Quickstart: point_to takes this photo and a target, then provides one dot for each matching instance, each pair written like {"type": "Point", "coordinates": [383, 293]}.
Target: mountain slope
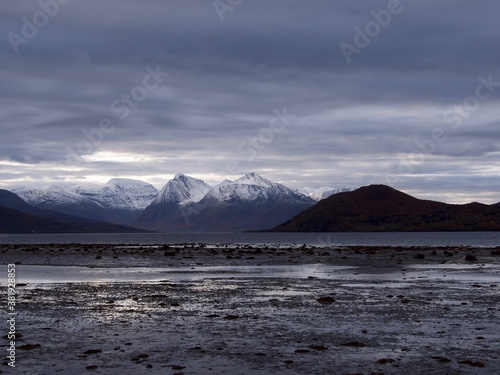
{"type": "Point", "coordinates": [321, 193]}
{"type": "Point", "coordinates": [17, 216]}
{"type": "Point", "coordinates": [119, 193]}
{"type": "Point", "coordinates": [382, 208]}
{"type": "Point", "coordinates": [248, 203]}
{"type": "Point", "coordinates": [120, 201]}
{"type": "Point", "coordinates": [167, 207]}
{"type": "Point", "coordinates": [182, 190]}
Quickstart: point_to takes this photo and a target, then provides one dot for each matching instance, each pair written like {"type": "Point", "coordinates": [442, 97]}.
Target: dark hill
{"type": "Point", "coordinates": [380, 208]}
{"type": "Point", "coordinates": [11, 200]}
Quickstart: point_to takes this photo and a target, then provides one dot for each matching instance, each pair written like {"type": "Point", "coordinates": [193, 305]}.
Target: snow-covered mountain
{"type": "Point", "coordinates": [182, 190]}
{"type": "Point", "coordinates": [252, 187]}
{"type": "Point", "coordinates": [49, 196]}
{"type": "Point", "coordinates": [321, 193]}
{"type": "Point", "coordinates": [119, 193]}
{"type": "Point", "coordinates": [60, 200]}
{"type": "Point", "coordinates": [177, 193]}
{"type": "Point", "coordinates": [120, 201]}
{"type": "Point", "coordinates": [248, 203]}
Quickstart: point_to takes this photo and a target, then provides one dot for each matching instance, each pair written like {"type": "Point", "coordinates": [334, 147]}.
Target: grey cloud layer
{"type": "Point", "coordinates": [355, 123]}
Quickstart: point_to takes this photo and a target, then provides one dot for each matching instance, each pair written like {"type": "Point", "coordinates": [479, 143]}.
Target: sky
{"type": "Point", "coordinates": [306, 93]}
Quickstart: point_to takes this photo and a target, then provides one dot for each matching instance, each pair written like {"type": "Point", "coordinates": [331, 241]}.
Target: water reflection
{"type": "Point", "coordinates": [36, 274]}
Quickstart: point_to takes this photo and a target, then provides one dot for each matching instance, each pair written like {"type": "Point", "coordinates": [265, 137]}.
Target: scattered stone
{"type": "Point", "coordinates": [470, 258]}
{"type": "Point", "coordinates": [177, 367]}
{"type": "Point", "coordinates": [385, 361]}
{"type": "Point", "coordinates": [93, 351]}
{"type": "Point", "coordinates": [29, 347]}
{"type": "Point", "coordinates": [231, 317]}
{"type": "Point", "coordinates": [289, 362]}
{"type": "Point", "coordinates": [472, 363]}
{"type": "Point", "coordinates": [91, 367]}
{"type": "Point", "coordinates": [326, 300]}
{"type": "Point", "coordinates": [419, 256]}
{"type": "Point", "coordinates": [260, 354]}
{"type": "Point", "coordinates": [442, 359]}
{"type": "Point", "coordinates": [139, 357]}
{"type": "Point", "coordinates": [301, 351]}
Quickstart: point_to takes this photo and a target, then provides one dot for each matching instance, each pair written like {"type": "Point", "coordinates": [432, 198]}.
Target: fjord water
{"type": "Point", "coordinates": [486, 239]}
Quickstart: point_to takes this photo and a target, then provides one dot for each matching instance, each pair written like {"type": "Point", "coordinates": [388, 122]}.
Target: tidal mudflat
{"type": "Point", "coordinates": [254, 309]}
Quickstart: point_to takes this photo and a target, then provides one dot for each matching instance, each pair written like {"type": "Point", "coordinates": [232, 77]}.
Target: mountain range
{"type": "Point", "coordinates": [382, 208]}
{"type": "Point", "coordinates": [183, 204]}
{"type": "Point", "coordinates": [249, 203]}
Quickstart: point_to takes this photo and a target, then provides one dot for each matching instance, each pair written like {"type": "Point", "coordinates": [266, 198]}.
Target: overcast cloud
{"type": "Point", "coordinates": [267, 89]}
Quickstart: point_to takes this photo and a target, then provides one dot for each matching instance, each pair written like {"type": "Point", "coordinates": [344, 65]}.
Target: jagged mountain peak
{"type": "Point", "coordinates": [182, 189]}
{"type": "Point", "coordinates": [254, 179]}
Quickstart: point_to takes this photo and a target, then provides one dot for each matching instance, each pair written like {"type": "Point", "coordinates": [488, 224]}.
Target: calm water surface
{"type": "Point", "coordinates": [322, 239]}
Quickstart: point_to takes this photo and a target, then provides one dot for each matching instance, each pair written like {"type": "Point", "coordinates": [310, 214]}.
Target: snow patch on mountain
{"type": "Point", "coordinates": [321, 193]}
{"type": "Point", "coordinates": [49, 195]}
{"type": "Point", "coordinates": [119, 193]}
{"type": "Point", "coordinates": [254, 179]}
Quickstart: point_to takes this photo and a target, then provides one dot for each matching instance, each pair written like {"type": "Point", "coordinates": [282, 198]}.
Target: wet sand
{"type": "Point", "coordinates": [228, 309]}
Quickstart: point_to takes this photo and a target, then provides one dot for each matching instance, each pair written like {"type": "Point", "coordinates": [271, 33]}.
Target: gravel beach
{"type": "Point", "coordinates": [250, 309]}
